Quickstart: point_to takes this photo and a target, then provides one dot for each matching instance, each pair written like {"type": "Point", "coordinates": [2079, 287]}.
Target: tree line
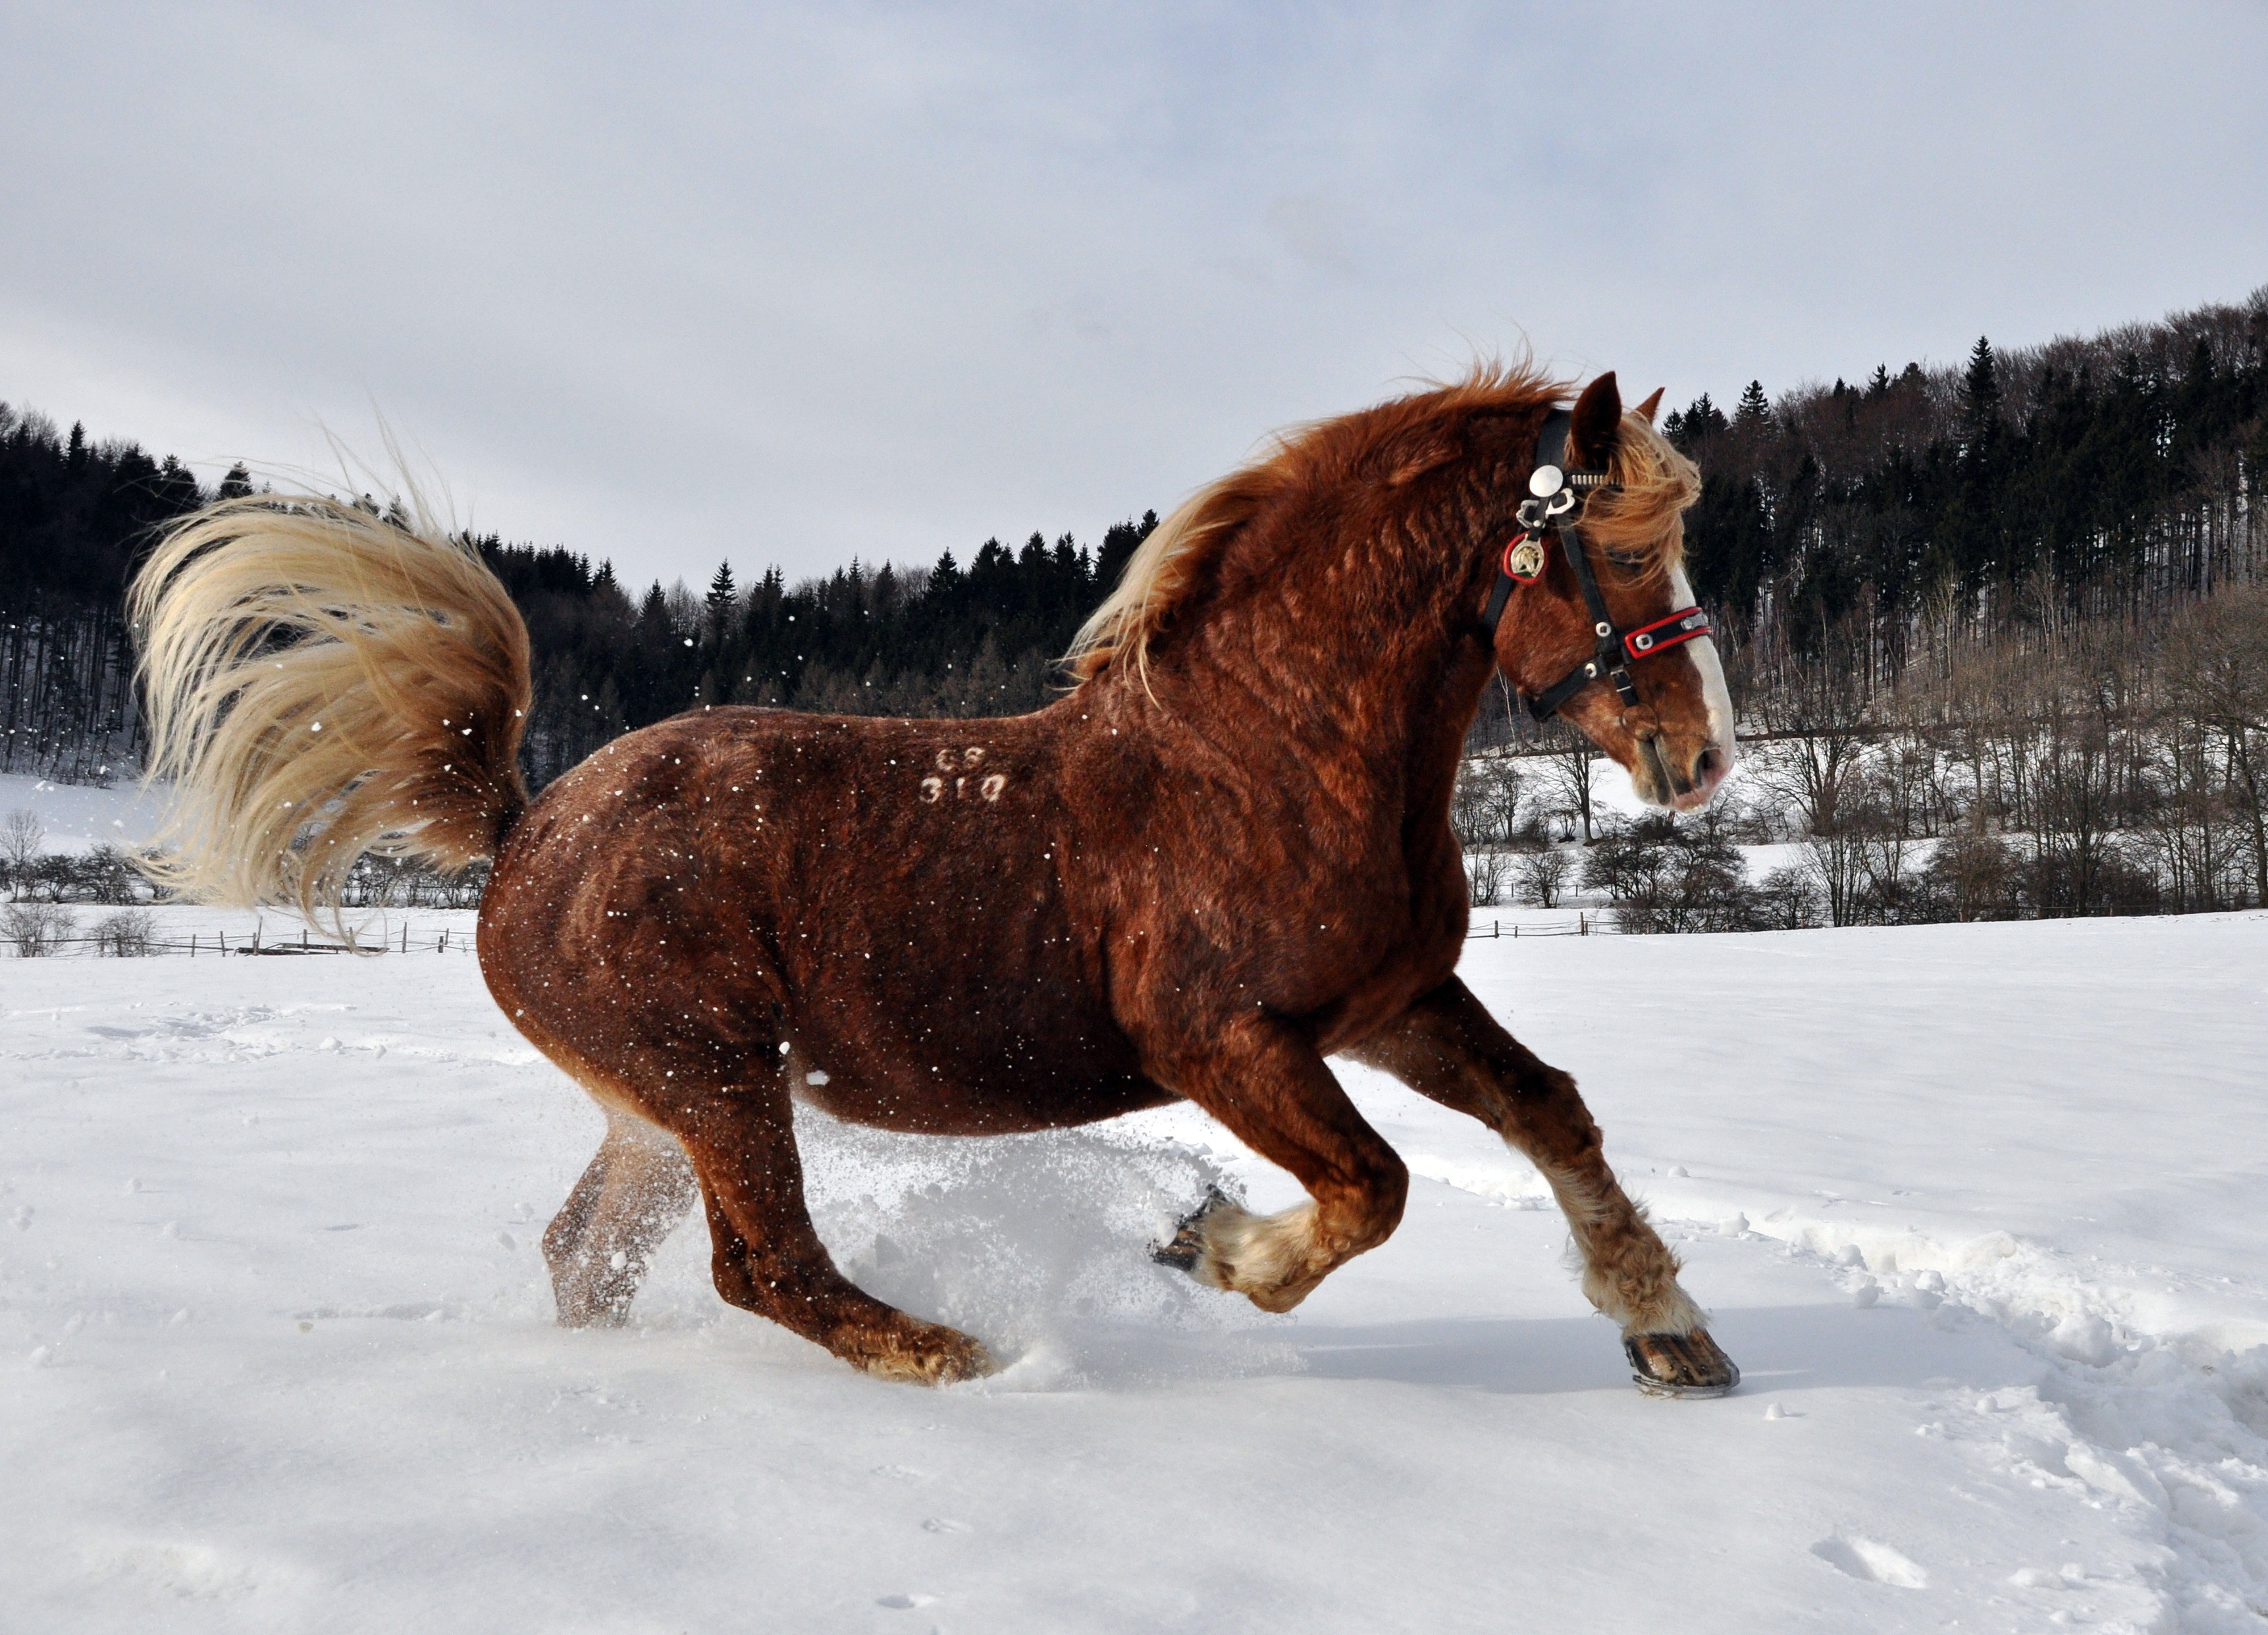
{"type": "Point", "coordinates": [76, 515]}
{"type": "Point", "coordinates": [1995, 629]}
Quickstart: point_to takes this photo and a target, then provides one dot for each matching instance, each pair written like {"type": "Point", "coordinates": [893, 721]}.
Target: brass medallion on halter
{"type": "Point", "coordinates": [1523, 559]}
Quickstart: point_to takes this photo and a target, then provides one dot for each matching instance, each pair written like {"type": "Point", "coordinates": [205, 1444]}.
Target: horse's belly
{"type": "Point", "coordinates": [1028, 1102]}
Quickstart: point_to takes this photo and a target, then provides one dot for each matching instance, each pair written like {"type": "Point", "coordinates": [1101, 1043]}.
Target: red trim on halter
{"type": "Point", "coordinates": [1682, 626]}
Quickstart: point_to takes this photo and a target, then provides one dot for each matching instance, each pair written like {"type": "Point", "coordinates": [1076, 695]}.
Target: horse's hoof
{"type": "Point", "coordinates": [1188, 1244]}
{"type": "Point", "coordinates": [941, 1356]}
{"type": "Point", "coordinates": [1680, 1365]}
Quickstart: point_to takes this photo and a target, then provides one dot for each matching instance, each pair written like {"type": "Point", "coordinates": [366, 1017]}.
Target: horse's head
{"type": "Point", "coordinates": [1644, 688]}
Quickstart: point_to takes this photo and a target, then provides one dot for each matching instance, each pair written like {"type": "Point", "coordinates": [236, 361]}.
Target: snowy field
{"type": "Point", "coordinates": [1978, 1210]}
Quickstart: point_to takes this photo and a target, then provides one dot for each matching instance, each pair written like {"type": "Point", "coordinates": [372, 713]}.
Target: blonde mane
{"type": "Point", "coordinates": [1638, 520]}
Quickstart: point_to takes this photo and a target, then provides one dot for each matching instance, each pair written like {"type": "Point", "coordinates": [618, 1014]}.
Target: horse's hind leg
{"type": "Point", "coordinates": [1448, 1047]}
{"type": "Point", "coordinates": [636, 1189]}
{"type": "Point", "coordinates": [767, 1259]}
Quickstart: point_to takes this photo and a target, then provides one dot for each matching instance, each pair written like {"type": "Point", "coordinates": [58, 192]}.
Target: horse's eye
{"type": "Point", "coordinates": [1630, 562]}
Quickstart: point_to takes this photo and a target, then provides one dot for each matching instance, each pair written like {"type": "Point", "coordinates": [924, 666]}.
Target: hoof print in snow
{"type": "Point", "coordinates": [1680, 1365]}
{"type": "Point", "coordinates": [1187, 1246]}
{"type": "Point", "coordinates": [1878, 1563]}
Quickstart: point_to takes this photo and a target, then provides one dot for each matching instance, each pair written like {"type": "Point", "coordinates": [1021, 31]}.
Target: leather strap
{"type": "Point", "coordinates": [1550, 450]}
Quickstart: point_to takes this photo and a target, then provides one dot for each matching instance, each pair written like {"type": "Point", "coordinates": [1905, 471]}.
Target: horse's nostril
{"type": "Point", "coordinates": [1704, 763]}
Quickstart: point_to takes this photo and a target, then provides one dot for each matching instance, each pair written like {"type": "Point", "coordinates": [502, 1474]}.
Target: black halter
{"type": "Point", "coordinates": [1558, 503]}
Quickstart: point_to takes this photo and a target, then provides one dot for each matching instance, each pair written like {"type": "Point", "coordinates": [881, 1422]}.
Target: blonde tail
{"type": "Point", "coordinates": [320, 682]}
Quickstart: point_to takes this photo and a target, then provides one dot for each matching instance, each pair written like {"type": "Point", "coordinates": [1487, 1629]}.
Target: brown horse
{"type": "Point", "coordinates": [1220, 859]}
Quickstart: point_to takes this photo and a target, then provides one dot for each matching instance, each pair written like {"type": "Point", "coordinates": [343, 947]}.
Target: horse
{"type": "Point", "coordinates": [1221, 857]}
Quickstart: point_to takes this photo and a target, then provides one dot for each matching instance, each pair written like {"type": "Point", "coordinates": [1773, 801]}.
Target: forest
{"type": "Point", "coordinates": [1997, 631]}
{"type": "Point", "coordinates": [945, 639]}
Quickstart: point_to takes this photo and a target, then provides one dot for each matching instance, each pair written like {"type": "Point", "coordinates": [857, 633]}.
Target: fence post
{"type": "Point", "coordinates": [1582, 927]}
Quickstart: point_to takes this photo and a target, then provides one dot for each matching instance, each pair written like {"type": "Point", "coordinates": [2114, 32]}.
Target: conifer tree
{"type": "Point", "coordinates": [1980, 395]}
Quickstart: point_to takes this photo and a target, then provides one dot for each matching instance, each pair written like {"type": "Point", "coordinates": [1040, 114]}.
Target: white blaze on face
{"type": "Point", "coordinates": [1703, 652]}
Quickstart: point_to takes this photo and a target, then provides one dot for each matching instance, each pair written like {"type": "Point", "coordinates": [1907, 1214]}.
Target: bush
{"type": "Point", "coordinates": [35, 928]}
{"type": "Point", "coordinates": [2108, 880]}
{"type": "Point", "coordinates": [1662, 878]}
{"type": "Point", "coordinates": [1790, 900]}
{"type": "Point", "coordinates": [126, 934]}
{"type": "Point", "coordinates": [1973, 876]}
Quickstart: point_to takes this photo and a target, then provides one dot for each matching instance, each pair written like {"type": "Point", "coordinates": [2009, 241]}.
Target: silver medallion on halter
{"type": "Point", "coordinates": [1523, 559]}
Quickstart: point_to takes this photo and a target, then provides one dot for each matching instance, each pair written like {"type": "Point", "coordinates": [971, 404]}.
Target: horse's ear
{"type": "Point", "coordinates": [1597, 425]}
{"type": "Point", "coordinates": [1652, 406]}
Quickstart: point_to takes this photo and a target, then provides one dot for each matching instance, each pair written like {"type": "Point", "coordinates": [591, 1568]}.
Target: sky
{"type": "Point", "coordinates": [793, 285]}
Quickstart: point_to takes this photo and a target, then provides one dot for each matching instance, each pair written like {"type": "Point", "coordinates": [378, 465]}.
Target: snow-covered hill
{"type": "Point", "coordinates": [1979, 1210]}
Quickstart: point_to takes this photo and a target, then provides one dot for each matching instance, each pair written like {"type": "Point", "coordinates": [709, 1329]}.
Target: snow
{"type": "Point", "coordinates": [1977, 1209]}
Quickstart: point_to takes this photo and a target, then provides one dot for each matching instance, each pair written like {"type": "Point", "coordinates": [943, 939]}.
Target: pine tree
{"type": "Point", "coordinates": [1754, 409]}
{"type": "Point", "coordinates": [237, 484]}
{"type": "Point", "coordinates": [1702, 419]}
{"type": "Point", "coordinates": [1980, 395]}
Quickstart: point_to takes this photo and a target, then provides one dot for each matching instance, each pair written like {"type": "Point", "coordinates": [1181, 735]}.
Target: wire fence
{"type": "Point", "coordinates": [129, 942]}
{"type": "Point", "coordinates": [1585, 924]}
{"type": "Point", "coordinates": [138, 942]}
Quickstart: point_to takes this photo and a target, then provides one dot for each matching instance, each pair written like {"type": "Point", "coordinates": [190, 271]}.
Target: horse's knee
{"type": "Point", "coordinates": [1363, 1215]}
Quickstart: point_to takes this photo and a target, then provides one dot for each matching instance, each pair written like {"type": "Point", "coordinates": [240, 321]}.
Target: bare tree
{"type": "Point", "coordinates": [21, 840]}
{"type": "Point", "coordinates": [1542, 875]}
{"type": "Point", "coordinates": [2217, 675]}
{"type": "Point", "coordinates": [1569, 764]}
{"type": "Point", "coordinates": [1484, 872]}
{"type": "Point", "coordinates": [1485, 807]}
{"type": "Point", "coordinates": [1819, 720]}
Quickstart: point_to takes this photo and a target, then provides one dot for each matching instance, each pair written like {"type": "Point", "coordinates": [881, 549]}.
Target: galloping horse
{"type": "Point", "coordinates": [1221, 858]}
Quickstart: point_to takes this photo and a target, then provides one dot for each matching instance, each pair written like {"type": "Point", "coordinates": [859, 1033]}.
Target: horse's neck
{"type": "Point", "coordinates": [1373, 696]}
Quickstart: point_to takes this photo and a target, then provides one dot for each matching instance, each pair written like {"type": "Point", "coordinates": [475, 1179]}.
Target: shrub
{"type": "Point", "coordinates": [126, 934]}
{"type": "Point", "coordinates": [1662, 878]}
{"type": "Point", "coordinates": [1789, 900]}
{"type": "Point", "coordinates": [35, 928]}
{"type": "Point", "coordinates": [1973, 876]}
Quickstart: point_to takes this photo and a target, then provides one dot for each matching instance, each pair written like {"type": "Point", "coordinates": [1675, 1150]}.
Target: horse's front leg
{"type": "Point", "coordinates": [1448, 1047]}
{"type": "Point", "coordinates": [1276, 1096]}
